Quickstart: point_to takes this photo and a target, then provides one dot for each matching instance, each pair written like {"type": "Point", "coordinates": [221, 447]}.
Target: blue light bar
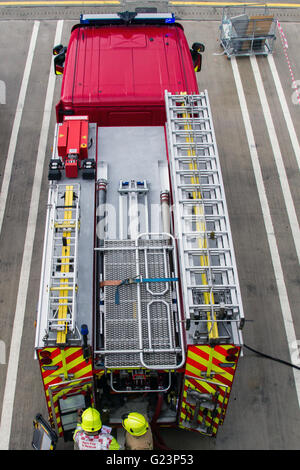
{"type": "Point", "coordinates": [131, 18]}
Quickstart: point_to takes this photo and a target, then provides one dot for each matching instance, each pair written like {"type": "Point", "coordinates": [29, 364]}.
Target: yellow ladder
{"type": "Point", "coordinates": [63, 287]}
{"type": "Point", "coordinates": [65, 267]}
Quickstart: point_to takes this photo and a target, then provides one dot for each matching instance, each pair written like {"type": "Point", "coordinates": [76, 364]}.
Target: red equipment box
{"type": "Point", "coordinates": [71, 167]}
{"type": "Point", "coordinates": [62, 140]}
{"type": "Point", "coordinates": [73, 137]}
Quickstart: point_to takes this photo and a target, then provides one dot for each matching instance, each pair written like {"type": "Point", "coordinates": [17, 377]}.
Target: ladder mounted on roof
{"type": "Point", "coordinates": [62, 290]}
{"type": "Point", "coordinates": [210, 285]}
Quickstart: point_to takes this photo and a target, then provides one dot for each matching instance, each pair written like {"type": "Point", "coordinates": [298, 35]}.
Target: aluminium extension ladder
{"type": "Point", "coordinates": [211, 292]}
{"type": "Point", "coordinates": [62, 290]}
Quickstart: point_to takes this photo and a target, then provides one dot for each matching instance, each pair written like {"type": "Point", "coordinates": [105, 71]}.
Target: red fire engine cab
{"type": "Point", "coordinates": [139, 306]}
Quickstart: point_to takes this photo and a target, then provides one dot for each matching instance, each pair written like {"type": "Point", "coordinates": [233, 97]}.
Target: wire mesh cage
{"type": "Point", "coordinates": [246, 34]}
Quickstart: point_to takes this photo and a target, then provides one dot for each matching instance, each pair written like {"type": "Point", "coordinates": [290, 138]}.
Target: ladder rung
{"type": "Point", "coordinates": [216, 306]}
{"type": "Point", "coordinates": [211, 251]}
{"type": "Point", "coordinates": [184, 108]}
{"type": "Point", "coordinates": [65, 226]}
{"type": "Point", "coordinates": [203, 232]}
{"type": "Point", "coordinates": [186, 172]}
{"type": "Point", "coordinates": [208, 217]}
{"type": "Point", "coordinates": [203, 201]}
{"type": "Point", "coordinates": [62, 288]}
{"type": "Point", "coordinates": [183, 120]}
{"type": "Point", "coordinates": [211, 287]}
{"type": "Point", "coordinates": [199, 186]}
{"type": "Point", "coordinates": [200, 145]}
{"type": "Point", "coordinates": [213, 269]}
{"type": "Point", "coordinates": [59, 327]}
{"type": "Point", "coordinates": [60, 237]}
{"type": "Point", "coordinates": [69, 275]}
{"type": "Point", "coordinates": [193, 131]}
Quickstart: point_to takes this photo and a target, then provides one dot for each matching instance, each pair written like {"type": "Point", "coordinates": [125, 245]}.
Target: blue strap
{"type": "Point", "coordinates": [129, 281]}
{"type": "Point", "coordinates": [158, 279]}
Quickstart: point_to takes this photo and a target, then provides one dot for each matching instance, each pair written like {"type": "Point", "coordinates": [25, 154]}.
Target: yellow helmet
{"type": "Point", "coordinates": [135, 423]}
{"type": "Point", "coordinates": [90, 420]}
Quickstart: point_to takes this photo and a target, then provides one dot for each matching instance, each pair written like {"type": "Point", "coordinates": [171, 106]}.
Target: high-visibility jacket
{"type": "Point", "coordinates": [101, 441]}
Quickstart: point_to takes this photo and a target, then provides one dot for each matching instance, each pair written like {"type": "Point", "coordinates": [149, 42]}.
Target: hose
{"type": "Point", "coordinates": [157, 439]}
{"type": "Point", "coordinates": [281, 361]}
{"type": "Point", "coordinates": [157, 409]}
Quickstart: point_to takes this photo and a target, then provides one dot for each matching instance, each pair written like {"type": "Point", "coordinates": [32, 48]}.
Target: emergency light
{"type": "Point", "coordinates": [127, 17]}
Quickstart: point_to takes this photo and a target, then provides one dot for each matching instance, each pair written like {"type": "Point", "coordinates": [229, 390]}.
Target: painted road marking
{"type": "Point", "coordinates": [285, 109]}
{"type": "Point", "coordinates": [16, 124]}
{"type": "Point", "coordinates": [13, 362]}
{"type": "Point", "coordinates": [279, 277]}
{"type": "Point", "coordinates": [175, 3]}
{"type": "Point", "coordinates": [289, 203]}
{"type": "Point", "coordinates": [241, 4]}
{"type": "Point", "coordinates": [285, 46]}
{"type": "Point", "coordinates": [62, 3]}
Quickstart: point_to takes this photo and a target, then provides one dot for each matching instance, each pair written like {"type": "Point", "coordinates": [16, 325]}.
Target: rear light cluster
{"type": "Point", "coordinates": [45, 357]}
{"type": "Point", "coordinates": [232, 354]}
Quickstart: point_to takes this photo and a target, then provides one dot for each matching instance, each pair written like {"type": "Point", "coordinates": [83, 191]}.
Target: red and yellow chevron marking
{"type": "Point", "coordinates": [61, 366]}
{"type": "Point", "coordinates": [57, 414]}
{"type": "Point", "coordinates": [209, 370]}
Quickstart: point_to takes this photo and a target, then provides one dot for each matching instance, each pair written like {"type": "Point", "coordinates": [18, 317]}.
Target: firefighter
{"type": "Point", "coordinates": [91, 435]}
{"type": "Point", "coordinates": [138, 434]}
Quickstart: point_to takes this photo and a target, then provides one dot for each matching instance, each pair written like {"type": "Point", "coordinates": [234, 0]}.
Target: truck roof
{"type": "Point", "coordinates": [125, 65]}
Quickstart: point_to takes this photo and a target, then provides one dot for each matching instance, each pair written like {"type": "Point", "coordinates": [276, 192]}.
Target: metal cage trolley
{"type": "Point", "coordinates": [246, 34]}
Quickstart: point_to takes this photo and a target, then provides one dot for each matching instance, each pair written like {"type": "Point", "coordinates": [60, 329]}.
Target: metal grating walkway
{"type": "Point", "coordinates": [139, 322]}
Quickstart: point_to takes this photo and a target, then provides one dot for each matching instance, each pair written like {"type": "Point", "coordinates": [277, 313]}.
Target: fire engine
{"type": "Point", "coordinates": [139, 305]}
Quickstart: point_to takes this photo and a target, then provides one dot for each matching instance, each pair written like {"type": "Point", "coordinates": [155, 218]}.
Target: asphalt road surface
{"type": "Point", "coordinates": [256, 115]}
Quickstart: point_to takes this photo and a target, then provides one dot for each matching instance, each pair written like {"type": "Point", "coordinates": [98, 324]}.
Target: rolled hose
{"type": "Point", "coordinates": [158, 442]}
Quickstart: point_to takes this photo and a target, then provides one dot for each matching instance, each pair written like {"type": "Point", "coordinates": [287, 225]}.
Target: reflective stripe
{"type": "Point", "coordinates": [67, 363]}
{"type": "Point", "coordinates": [73, 363]}
{"type": "Point", "coordinates": [207, 372]}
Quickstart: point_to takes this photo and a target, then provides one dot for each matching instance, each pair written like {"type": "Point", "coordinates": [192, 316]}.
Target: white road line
{"type": "Point", "coordinates": [289, 203]}
{"type": "Point", "coordinates": [279, 277]}
{"type": "Point", "coordinates": [16, 124]}
{"type": "Point", "coordinates": [285, 109]}
{"type": "Point", "coordinates": [12, 368]}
